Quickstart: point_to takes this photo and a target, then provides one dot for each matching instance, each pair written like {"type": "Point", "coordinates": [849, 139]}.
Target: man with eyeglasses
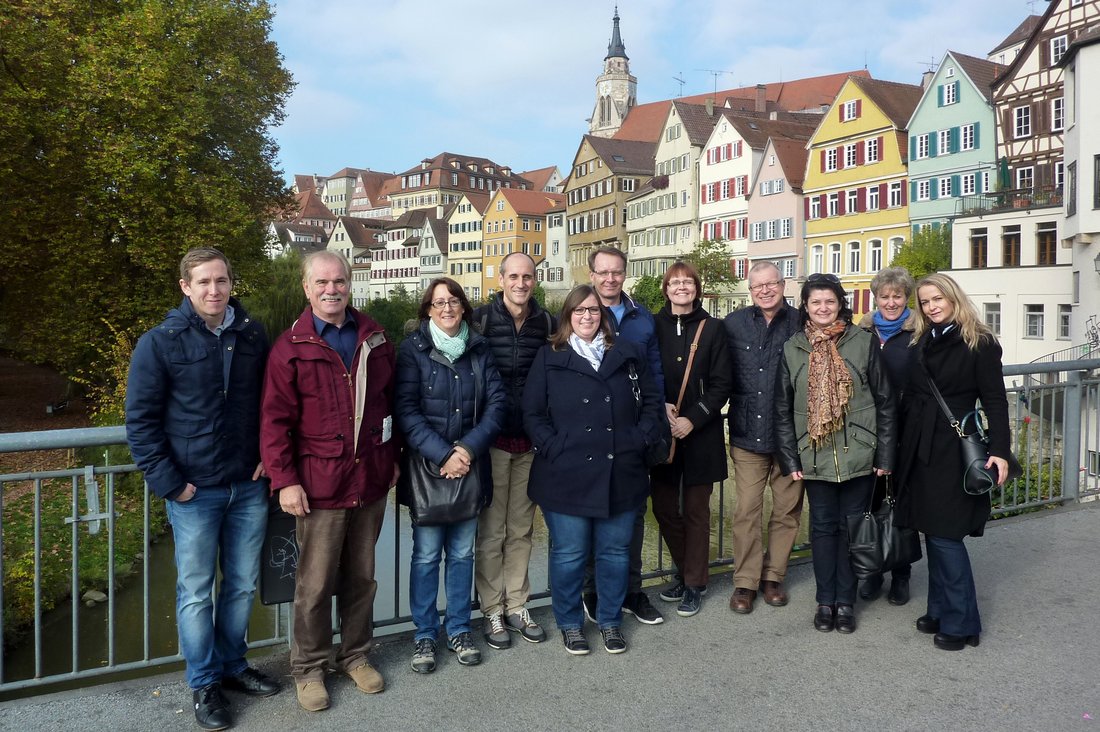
{"type": "Point", "coordinates": [633, 322]}
{"type": "Point", "coordinates": [516, 328]}
{"type": "Point", "coordinates": [326, 441]}
{"type": "Point", "coordinates": [756, 336]}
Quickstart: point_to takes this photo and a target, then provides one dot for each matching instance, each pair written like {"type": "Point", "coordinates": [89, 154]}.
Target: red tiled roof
{"type": "Point", "coordinates": [535, 203]}
{"type": "Point", "coordinates": [361, 231]}
{"type": "Point", "coordinates": [307, 205]}
{"type": "Point", "coordinates": [479, 201]}
{"type": "Point", "coordinates": [540, 177]}
{"type": "Point", "coordinates": [756, 130]}
{"type": "Point", "coordinates": [792, 156]}
{"type": "Point", "coordinates": [645, 121]}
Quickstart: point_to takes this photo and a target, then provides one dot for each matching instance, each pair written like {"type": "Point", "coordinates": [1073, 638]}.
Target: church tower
{"type": "Point", "coordinates": [616, 89]}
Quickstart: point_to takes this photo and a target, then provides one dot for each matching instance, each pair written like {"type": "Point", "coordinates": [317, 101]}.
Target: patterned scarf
{"type": "Point", "coordinates": [591, 352]}
{"type": "Point", "coordinates": [830, 382]}
{"type": "Point", "coordinates": [450, 346]}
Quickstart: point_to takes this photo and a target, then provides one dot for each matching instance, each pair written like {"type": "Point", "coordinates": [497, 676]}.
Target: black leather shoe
{"type": "Point", "coordinates": [946, 642]}
{"type": "Point", "coordinates": [824, 619]}
{"type": "Point", "coordinates": [845, 619]}
{"type": "Point", "coordinates": [871, 587]}
{"type": "Point", "coordinates": [928, 624]}
{"type": "Point", "coordinates": [211, 711]}
{"type": "Point", "coordinates": [252, 682]}
{"type": "Point", "coordinates": [899, 591]}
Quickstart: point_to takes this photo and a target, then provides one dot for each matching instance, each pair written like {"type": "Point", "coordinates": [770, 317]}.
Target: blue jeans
{"type": "Point", "coordinates": [952, 598]}
{"type": "Point", "coordinates": [428, 545]}
{"type": "Point", "coordinates": [572, 538]}
{"type": "Point", "coordinates": [221, 526]}
{"type": "Point", "coordinates": [830, 504]}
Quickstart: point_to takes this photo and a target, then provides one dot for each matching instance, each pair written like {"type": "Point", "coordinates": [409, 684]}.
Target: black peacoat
{"type": "Point", "coordinates": [930, 473]}
{"type": "Point", "coordinates": [589, 447]}
{"type": "Point", "coordinates": [701, 456]}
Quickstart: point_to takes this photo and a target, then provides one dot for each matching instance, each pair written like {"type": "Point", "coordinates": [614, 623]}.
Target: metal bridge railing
{"type": "Point", "coordinates": [1055, 434]}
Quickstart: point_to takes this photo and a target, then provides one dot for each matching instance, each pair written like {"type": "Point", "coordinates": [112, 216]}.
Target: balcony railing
{"type": "Point", "coordinates": [1008, 200]}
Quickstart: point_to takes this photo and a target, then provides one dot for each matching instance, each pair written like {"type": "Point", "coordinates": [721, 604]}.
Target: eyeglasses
{"type": "Point", "coordinates": [823, 277]}
{"type": "Point", "coordinates": [454, 303]}
{"type": "Point", "coordinates": [591, 310]}
{"type": "Point", "coordinates": [610, 273]}
{"type": "Point", "coordinates": [769, 285]}
{"type": "Point", "coordinates": [681, 283]}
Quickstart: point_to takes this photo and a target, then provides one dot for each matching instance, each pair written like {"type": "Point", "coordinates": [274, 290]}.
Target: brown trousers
{"type": "Point", "coordinates": [504, 530]}
{"type": "Point", "coordinates": [686, 532]}
{"type": "Point", "coordinates": [752, 472]}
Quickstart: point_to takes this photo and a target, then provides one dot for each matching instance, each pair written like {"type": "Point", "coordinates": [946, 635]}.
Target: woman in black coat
{"type": "Point", "coordinates": [681, 490]}
{"type": "Point", "coordinates": [591, 409]}
{"type": "Point", "coordinates": [955, 349]}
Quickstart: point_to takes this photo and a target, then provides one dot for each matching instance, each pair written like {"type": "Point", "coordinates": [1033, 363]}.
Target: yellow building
{"type": "Point", "coordinates": [515, 221]}
{"type": "Point", "coordinates": [856, 185]}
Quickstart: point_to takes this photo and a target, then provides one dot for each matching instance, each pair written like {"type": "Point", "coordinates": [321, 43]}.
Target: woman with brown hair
{"type": "Point", "coordinates": [835, 428]}
{"type": "Point", "coordinates": [696, 363]}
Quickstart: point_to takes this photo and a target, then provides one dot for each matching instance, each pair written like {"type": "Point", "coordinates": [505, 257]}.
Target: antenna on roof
{"type": "Point", "coordinates": [715, 73]}
{"type": "Point", "coordinates": [679, 79]}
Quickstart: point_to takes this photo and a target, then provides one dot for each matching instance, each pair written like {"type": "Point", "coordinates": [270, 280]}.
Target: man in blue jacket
{"type": "Point", "coordinates": [633, 322]}
{"type": "Point", "coordinates": [192, 423]}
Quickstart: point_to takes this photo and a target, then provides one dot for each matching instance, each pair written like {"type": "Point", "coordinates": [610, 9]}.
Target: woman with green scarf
{"type": "Point", "coordinates": [835, 426]}
{"type": "Point", "coordinates": [449, 405]}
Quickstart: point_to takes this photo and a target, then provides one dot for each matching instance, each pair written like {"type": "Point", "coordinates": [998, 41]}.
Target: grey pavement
{"type": "Point", "coordinates": [1036, 668]}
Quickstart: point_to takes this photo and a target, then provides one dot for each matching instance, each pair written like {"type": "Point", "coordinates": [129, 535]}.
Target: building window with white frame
{"type": "Point", "coordinates": [895, 246]}
{"type": "Point", "coordinates": [854, 259]}
{"type": "Point", "coordinates": [874, 248]}
{"type": "Point", "coordinates": [872, 198]}
{"type": "Point", "coordinates": [817, 258]}
{"type": "Point", "coordinates": [966, 184]}
{"type": "Point", "coordinates": [966, 135]}
{"type": "Point", "coordinates": [871, 151]}
{"type": "Point", "coordinates": [1059, 176]}
{"type": "Point", "coordinates": [943, 144]}
{"type": "Point", "coordinates": [833, 203]}
{"type": "Point", "coordinates": [894, 193]}
{"type": "Point", "coordinates": [945, 187]}
{"type": "Point", "coordinates": [850, 156]}
{"type": "Point", "coordinates": [788, 268]}
{"type": "Point", "coordinates": [950, 93]}
{"type": "Point", "coordinates": [785, 228]}
{"type": "Point", "coordinates": [830, 159]}
{"type": "Point", "coordinates": [992, 313]}
{"type": "Point", "coordinates": [922, 146]}
{"type": "Point", "coordinates": [851, 204]}
{"type": "Point", "coordinates": [1025, 178]}
{"type": "Point", "coordinates": [1033, 321]}
{"type": "Point", "coordinates": [1058, 114]}
{"type": "Point", "coordinates": [834, 257]}
{"type": "Point", "coordinates": [1064, 312]}
{"type": "Point", "coordinates": [850, 110]}
{"type": "Point", "coordinates": [1058, 46]}
{"type": "Point", "coordinates": [1021, 122]}
{"type": "Point", "coordinates": [924, 190]}
{"type": "Point", "coordinates": [815, 208]}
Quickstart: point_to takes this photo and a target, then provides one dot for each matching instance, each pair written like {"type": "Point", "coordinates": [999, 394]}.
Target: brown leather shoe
{"type": "Point", "coordinates": [774, 594]}
{"type": "Point", "coordinates": [741, 600]}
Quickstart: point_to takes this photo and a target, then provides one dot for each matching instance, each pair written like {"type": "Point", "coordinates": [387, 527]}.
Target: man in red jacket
{"type": "Point", "coordinates": [327, 442]}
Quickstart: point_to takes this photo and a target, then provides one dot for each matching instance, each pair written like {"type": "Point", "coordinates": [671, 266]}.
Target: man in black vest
{"type": "Point", "coordinates": [516, 328]}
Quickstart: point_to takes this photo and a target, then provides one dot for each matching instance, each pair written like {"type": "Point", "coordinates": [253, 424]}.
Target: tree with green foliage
{"type": "Point", "coordinates": [711, 258]}
{"type": "Point", "coordinates": [130, 132]}
{"type": "Point", "coordinates": [394, 312]}
{"type": "Point", "coordinates": [277, 297]}
{"type": "Point", "coordinates": [927, 252]}
{"type": "Point", "coordinates": [647, 291]}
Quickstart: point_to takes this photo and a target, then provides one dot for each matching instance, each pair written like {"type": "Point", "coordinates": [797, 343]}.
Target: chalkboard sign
{"type": "Point", "coordinates": [279, 558]}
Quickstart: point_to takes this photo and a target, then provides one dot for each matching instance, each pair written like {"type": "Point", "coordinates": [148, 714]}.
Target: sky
{"type": "Point", "coordinates": [383, 84]}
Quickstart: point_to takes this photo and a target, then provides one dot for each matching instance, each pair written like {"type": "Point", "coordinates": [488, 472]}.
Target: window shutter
{"type": "Point", "coordinates": [822, 161]}
{"type": "Point", "coordinates": [881, 149]}
{"type": "Point", "coordinates": [738, 148]}
{"type": "Point", "coordinates": [745, 184]}
{"type": "Point", "coordinates": [933, 189]}
{"type": "Point", "coordinates": [916, 229]}
{"type": "Point", "coordinates": [954, 139]}
{"type": "Point", "coordinates": [939, 95]}
{"type": "Point", "coordinates": [976, 138]}
{"type": "Point", "coordinates": [1006, 125]}
{"type": "Point", "coordinates": [806, 207]}
{"type": "Point", "coordinates": [955, 184]}
{"type": "Point", "coordinates": [840, 203]}
{"type": "Point", "coordinates": [935, 226]}
{"type": "Point", "coordinates": [978, 181]}
{"type": "Point", "coordinates": [859, 152]}
{"type": "Point", "coordinates": [912, 147]}
{"type": "Point", "coordinates": [729, 149]}
{"type": "Point", "coordinates": [824, 202]}
{"type": "Point", "coordinates": [859, 108]}
{"type": "Point", "coordinates": [913, 189]}
{"type": "Point", "coordinates": [703, 193]}
{"type": "Point", "coordinates": [933, 144]}
{"type": "Point", "coordinates": [861, 200]}
{"type": "Point", "coordinates": [840, 112]}
{"type": "Point", "coordinates": [903, 201]}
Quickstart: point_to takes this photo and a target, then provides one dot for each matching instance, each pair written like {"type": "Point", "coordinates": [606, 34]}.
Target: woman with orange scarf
{"type": "Point", "coordinates": [835, 428]}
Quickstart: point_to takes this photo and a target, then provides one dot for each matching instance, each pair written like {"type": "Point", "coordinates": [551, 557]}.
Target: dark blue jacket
{"type": "Point", "coordinates": [193, 401]}
{"type": "Point", "coordinates": [513, 352]}
{"type": "Point", "coordinates": [438, 405]}
{"type": "Point", "coordinates": [637, 326]}
{"type": "Point", "coordinates": [589, 447]}
{"type": "Point", "coordinates": [756, 347]}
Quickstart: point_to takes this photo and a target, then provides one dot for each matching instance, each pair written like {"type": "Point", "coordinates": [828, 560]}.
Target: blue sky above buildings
{"type": "Point", "coordinates": [383, 84]}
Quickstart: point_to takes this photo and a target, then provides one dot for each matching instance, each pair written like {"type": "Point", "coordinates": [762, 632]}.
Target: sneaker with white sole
{"type": "Point", "coordinates": [575, 642]}
{"type": "Point", "coordinates": [423, 661]}
{"type": "Point", "coordinates": [496, 634]}
{"type": "Point", "coordinates": [690, 603]}
{"type": "Point", "coordinates": [675, 592]}
{"type": "Point", "coordinates": [527, 628]}
{"type": "Point", "coordinates": [638, 605]}
{"type": "Point", "coordinates": [463, 647]}
{"type": "Point", "coordinates": [613, 641]}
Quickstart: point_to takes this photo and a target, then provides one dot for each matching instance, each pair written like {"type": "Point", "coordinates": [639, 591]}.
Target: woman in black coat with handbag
{"type": "Point", "coordinates": [687, 334]}
{"type": "Point", "coordinates": [593, 411]}
{"type": "Point", "coordinates": [953, 348]}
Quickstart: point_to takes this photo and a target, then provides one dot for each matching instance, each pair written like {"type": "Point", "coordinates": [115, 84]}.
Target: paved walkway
{"type": "Point", "coordinates": [1038, 666]}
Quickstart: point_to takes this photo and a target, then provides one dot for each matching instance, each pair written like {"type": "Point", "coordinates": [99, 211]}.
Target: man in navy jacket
{"type": "Point", "coordinates": [192, 423]}
{"type": "Point", "coordinates": [633, 322]}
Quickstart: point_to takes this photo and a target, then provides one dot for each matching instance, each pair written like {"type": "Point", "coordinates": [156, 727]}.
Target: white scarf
{"type": "Point", "coordinates": [591, 352]}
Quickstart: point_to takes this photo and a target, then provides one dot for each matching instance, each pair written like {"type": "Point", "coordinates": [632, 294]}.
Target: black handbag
{"type": "Point", "coordinates": [875, 544]}
{"type": "Point", "coordinates": [974, 446]}
{"type": "Point", "coordinates": [658, 451]}
{"type": "Point", "coordinates": [434, 500]}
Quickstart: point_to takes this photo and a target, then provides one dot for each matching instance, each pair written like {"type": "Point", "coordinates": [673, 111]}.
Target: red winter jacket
{"type": "Point", "coordinates": [309, 417]}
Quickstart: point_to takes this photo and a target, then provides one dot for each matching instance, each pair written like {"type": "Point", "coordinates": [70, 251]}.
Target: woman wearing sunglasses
{"type": "Point", "coordinates": [836, 430]}
{"type": "Point", "coordinates": [591, 408]}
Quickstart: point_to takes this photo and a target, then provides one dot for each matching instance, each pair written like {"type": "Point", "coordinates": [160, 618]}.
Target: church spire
{"type": "Point", "coordinates": [616, 49]}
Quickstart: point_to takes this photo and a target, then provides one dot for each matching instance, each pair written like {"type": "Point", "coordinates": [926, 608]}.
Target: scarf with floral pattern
{"type": "Point", "coordinates": [830, 382]}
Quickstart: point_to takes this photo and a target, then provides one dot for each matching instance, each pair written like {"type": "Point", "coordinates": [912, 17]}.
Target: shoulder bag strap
{"type": "Point", "coordinates": [943, 405]}
{"type": "Point", "coordinates": [691, 360]}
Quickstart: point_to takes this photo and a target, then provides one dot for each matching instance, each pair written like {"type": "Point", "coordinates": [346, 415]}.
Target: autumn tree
{"type": "Point", "coordinates": [711, 258]}
{"type": "Point", "coordinates": [130, 131]}
{"type": "Point", "coordinates": [928, 251]}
